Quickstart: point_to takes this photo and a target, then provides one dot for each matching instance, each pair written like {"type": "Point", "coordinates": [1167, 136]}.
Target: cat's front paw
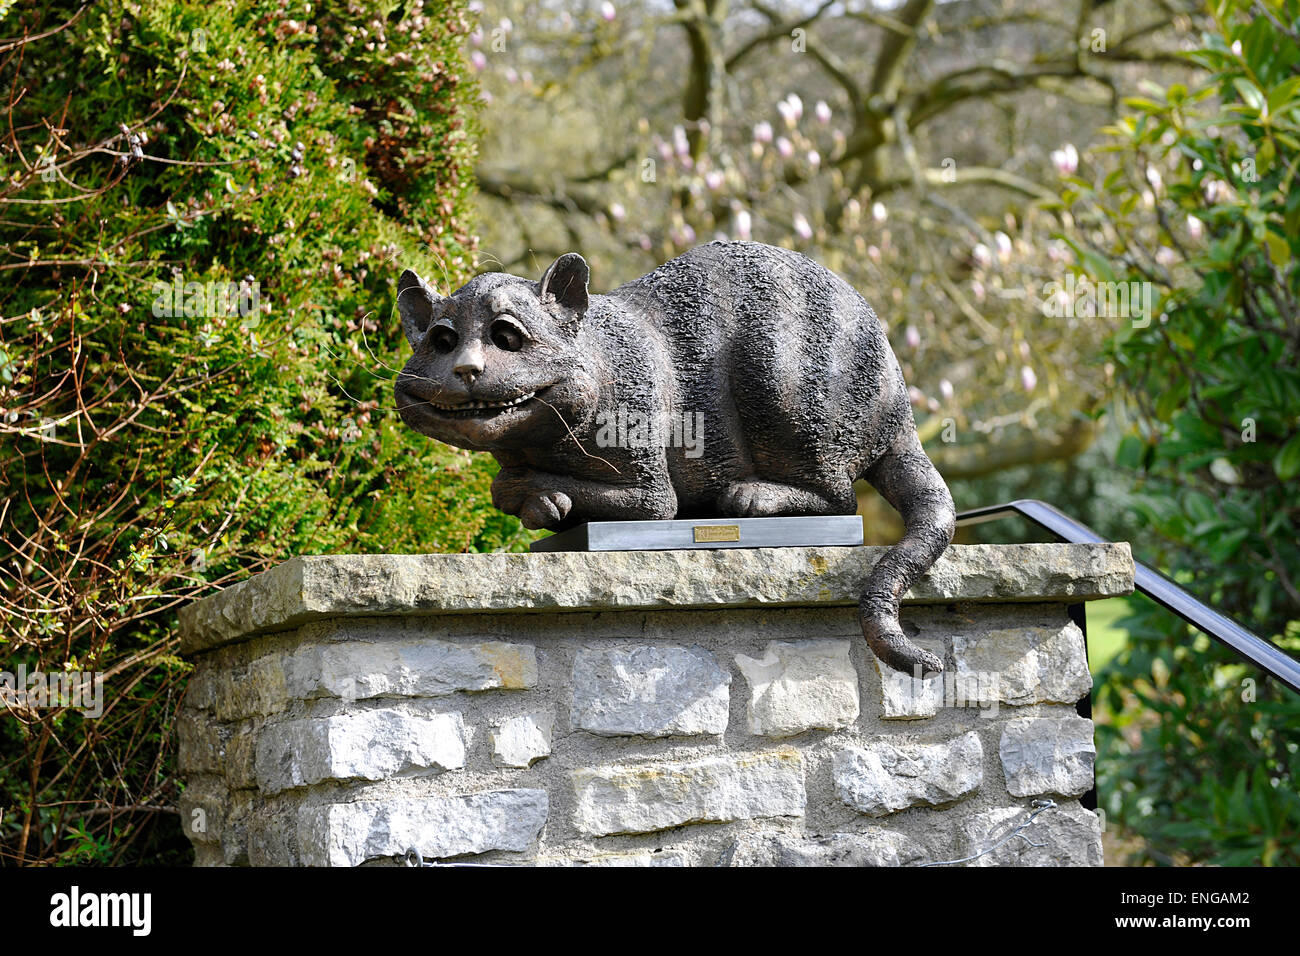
{"type": "Point", "coordinates": [545, 510]}
{"type": "Point", "coordinates": [751, 499]}
{"type": "Point", "coordinates": [512, 487]}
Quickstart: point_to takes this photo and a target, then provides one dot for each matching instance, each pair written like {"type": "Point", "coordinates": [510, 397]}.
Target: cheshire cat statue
{"type": "Point", "coordinates": [784, 364]}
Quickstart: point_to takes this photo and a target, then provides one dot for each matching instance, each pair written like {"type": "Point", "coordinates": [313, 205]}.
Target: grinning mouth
{"type": "Point", "coordinates": [480, 409]}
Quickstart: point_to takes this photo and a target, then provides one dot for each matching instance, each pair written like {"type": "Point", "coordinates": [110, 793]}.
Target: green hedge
{"type": "Point", "coordinates": [159, 445]}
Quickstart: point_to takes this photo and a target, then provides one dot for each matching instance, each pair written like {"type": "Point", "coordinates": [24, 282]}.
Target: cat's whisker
{"type": "Point", "coordinates": [576, 441]}
{"type": "Point", "coordinates": [492, 259]}
{"type": "Point", "coordinates": [366, 341]}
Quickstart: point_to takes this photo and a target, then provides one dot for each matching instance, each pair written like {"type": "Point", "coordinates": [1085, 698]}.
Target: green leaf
{"type": "Point", "coordinates": [1287, 461]}
{"type": "Point", "coordinates": [1281, 96]}
{"type": "Point", "coordinates": [1131, 452]}
{"type": "Point", "coordinates": [1250, 93]}
{"type": "Point", "coordinates": [1279, 250]}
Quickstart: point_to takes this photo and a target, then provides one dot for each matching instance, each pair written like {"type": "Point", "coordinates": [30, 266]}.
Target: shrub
{"type": "Point", "coordinates": [1202, 201]}
{"type": "Point", "coordinates": [203, 209]}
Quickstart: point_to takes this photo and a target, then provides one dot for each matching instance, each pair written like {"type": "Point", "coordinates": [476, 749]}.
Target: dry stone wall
{"type": "Point", "coordinates": [620, 709]}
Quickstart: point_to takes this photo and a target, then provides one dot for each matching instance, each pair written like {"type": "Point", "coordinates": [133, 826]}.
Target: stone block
{"type": "Point", "coordinates": [797, 686]}
{"type": "Point", "coordinates": [1048, 755]}
{"type": "Point", "coordinates": [649, 691]}
{"type": "Point", "coordinates": [522, 741]}
{"type": "Point", "coordinates": [655, 796]}
{"type": "Point", "coordinates": [203, 806]}
{"type": "Point", "coordinates": [875, 847]}
{"type": "Point", "coordinates": [909, 696]}
{"type": "Point", "coordinates": [1023, 665]}
{"type": "Point", "coordinates": [370, 745]}
{"type": "Point", "coordinates": [199, 748]}
{"type": "Point", "coordinates": [403, 667]}
{"type": "Point", "coordinates": [1067, 836]}
{"type": "Point", "coordinates": [348, 834]}
{"type": "Point", "coordinates": [885, 777]}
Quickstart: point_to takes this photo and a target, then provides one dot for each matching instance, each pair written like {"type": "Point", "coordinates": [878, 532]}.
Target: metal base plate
{"type": "Point", "coordinates": [706, 533]}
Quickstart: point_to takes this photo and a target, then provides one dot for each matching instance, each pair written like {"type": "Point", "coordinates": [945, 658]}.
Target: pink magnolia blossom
{"type": "Point", "coordinates": [1066, 160]}
{"type": "Point", "coordinates": [791, 110]}
{"type": "Point", "coordinates": [744, 223]}
{"type": "Point", "coordinates": [681, 145]}
{"type": "Point", "coordinates": [1003, 242]}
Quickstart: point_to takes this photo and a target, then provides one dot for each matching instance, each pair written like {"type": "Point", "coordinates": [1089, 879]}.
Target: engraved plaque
{"type": "Point", "coordinates": [717, 532]}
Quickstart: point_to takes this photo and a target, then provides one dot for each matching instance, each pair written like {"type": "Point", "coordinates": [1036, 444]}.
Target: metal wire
{"type": "Point", "coordinates": [413, 857]}
{"type": "Point", "coordinates": [1039, 805]}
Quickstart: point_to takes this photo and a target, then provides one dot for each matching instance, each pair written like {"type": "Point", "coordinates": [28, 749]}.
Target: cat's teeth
{"type": "Point", "coordinates": [471, 406]}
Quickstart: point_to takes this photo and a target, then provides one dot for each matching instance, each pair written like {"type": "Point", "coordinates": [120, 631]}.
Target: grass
{"type": "Point", "coordinates": [1105, 638]}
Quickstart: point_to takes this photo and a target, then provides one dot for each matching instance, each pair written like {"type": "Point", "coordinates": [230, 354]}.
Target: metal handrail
{"type": "Point", "coordinates": [1268, 657]}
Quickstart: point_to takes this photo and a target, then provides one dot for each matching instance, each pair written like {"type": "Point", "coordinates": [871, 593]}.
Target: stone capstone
{"type": "Point", "coordinates": [313, 588]}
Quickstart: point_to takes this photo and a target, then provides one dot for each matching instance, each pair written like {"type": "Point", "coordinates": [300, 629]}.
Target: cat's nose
{"type": "Point", "coordinates": [469, 365]}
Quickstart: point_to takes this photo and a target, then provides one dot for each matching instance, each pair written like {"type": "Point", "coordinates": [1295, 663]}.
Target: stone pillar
{"type": "Point", "coordinates": [672, 708]}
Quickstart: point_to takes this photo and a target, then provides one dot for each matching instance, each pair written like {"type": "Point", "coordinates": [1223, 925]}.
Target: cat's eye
{"type": "Point", "coordinates": [443, 339]}
{"type": "Point", "coordinates": [506, 336]}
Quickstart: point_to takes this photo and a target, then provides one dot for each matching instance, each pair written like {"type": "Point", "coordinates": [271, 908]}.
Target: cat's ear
{"type": "Point", "coordinates": [565, 282]}
{"type": "Point", "coordinates": [415, 303]}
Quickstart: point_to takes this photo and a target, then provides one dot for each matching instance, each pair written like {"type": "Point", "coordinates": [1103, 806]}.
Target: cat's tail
{"type": "Point", "coordinates": [908, 480]}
